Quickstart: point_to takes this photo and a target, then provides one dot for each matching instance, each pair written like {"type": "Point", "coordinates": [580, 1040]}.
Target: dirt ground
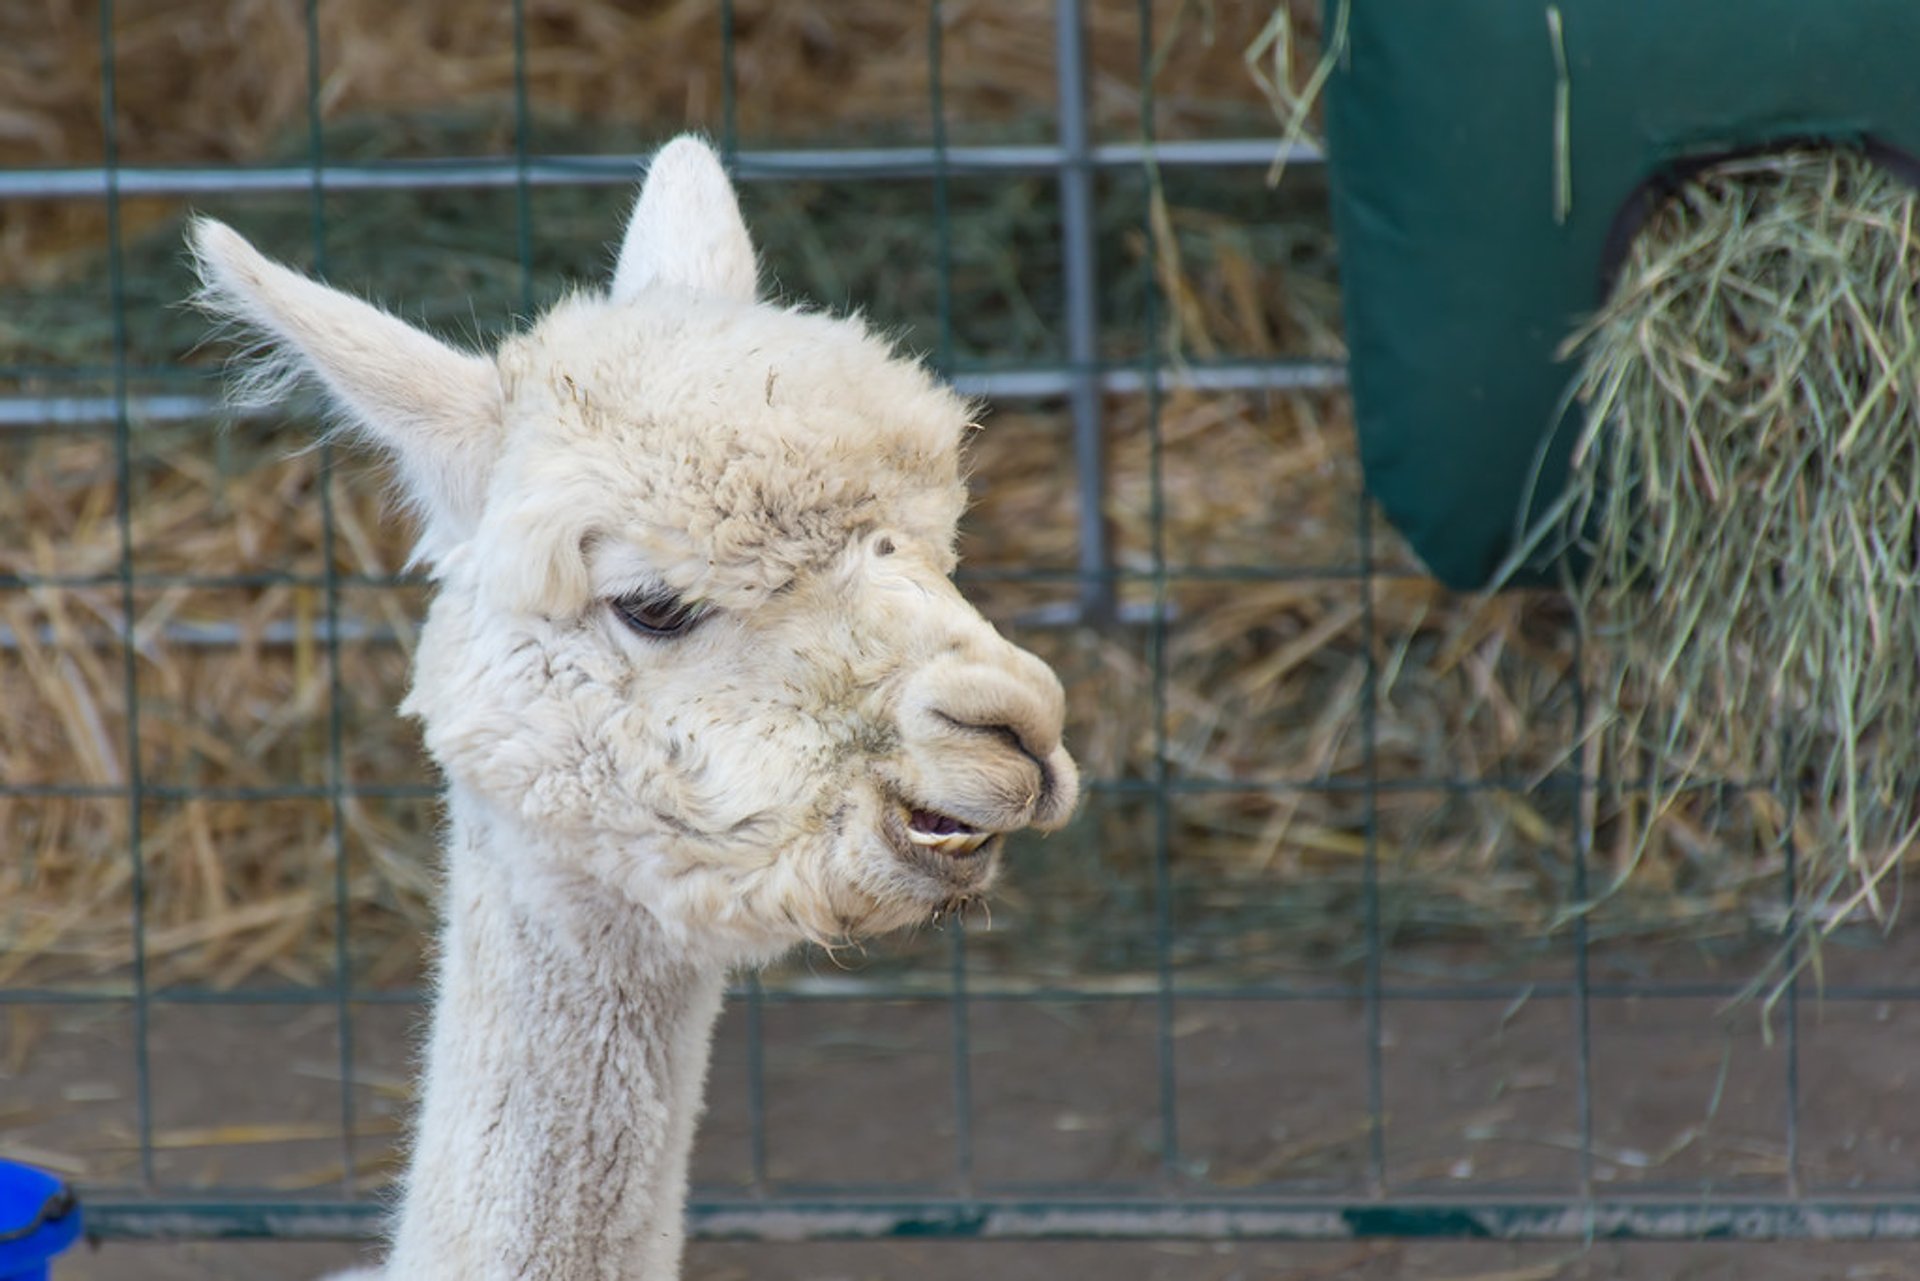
{"type": "Point", "coordinates": [1480, 1097]}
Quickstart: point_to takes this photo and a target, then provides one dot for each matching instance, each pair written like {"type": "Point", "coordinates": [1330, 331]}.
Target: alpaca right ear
{"type": "Point", "coordinates": [436, 410]}
{"type": "Point", "coordinates": [686, 228]}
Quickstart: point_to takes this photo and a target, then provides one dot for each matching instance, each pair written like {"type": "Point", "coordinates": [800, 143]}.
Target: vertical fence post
{"type": "Point", "coordinates": [755, 1003]}
{"type": "Point", "coordinates": [336, 686]}
{"type": "Point", "coordinates": [943, 353]}
{"type": "Point", "coordinates": [1795, 945]}
{"type": "Point", "coordinates": [1373, 984]}
{"type": "Point", "coordinates": [1161, 771]}
{"type": "Point", "coordinates": [1586, 810]}
{"type": "Point", "coordinates": [1079, 263]}
{"type": "Point", "coordinates": [522, 153]}
{"type": "Point", "coordinates": [124, 576]}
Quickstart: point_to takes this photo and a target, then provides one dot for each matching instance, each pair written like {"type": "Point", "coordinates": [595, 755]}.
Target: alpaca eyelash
{"type": "Point", "coordinates": [657, 613]}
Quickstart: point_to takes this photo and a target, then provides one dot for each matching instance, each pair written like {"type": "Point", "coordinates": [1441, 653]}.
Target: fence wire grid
{"type": "Point", "coordinates": [1173, 1079]}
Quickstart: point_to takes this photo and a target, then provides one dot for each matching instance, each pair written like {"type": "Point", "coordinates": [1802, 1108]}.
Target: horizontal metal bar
{"type": "Point", "coordinates": [283, 633]}
{"type": "Point", "coordinates": [113, 1219]}
{"type": "Point", "coordinates": [278, 633]}
{"type": "Point", "coordinates": [985, 987]}
{"type": "Point", "coordinates": [70, 411]}
{"type": "Point", "coordinates": [177, 792]}
{"type": "Point", "coordinates": [292, 998]}
{"type": "Point", "coordinates": [1033, 1219]}
{"type": "Point", "coordinates": [1046, 383]}
{"type": "Point", "coordinates": [19, 413]}
{"type": "Point", "coordinates": [1330, 574]}
{"type": "Point", "coordinates": [439, 173]}
{"type": "Point", "coordinates": [1648, 1220]}
{"type": "Point", "coordinates": [1412, 785]}
{"type": "Point", "coordinates": [164, 581]}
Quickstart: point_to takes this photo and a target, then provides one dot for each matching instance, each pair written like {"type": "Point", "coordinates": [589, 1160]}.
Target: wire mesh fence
{"type": "Point", "coordinates": [1328, 953]}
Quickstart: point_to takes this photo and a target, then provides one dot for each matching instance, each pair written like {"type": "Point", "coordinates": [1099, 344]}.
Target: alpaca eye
{"type": "Point", "coordinates": [657, 613]}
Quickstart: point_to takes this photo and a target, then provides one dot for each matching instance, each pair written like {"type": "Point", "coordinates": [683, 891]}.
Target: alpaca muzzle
{"type": "Point", "coordinates": [984, 743]}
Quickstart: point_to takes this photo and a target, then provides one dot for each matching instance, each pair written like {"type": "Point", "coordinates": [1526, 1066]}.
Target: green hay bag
{"type": "Point", "coordinates": [1491, 162]}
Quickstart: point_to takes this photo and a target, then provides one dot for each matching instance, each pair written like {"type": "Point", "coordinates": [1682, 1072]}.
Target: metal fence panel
{"type": "Point", "coordinates": [1133, 591]}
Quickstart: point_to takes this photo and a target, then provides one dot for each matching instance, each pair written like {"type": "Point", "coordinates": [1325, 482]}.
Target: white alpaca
{"type": "Point", "coordinates": [700, 686]}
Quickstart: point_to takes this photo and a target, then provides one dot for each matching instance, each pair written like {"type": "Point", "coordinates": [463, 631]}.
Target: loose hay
{"type": "Point", "coordinates": [1746, 492]}
{"type": "Point", "coordinates": [1265, 672]}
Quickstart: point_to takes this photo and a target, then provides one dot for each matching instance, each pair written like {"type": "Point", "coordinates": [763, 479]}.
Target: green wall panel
{"type": "Point", "coordinates": [1463, 277]}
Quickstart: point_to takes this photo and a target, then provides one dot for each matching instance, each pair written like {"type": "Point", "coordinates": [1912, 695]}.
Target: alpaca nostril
{"type": "Point", "coordinates": [1015, 740]}
{"type": "Point", "coordinates": [1012, 738]}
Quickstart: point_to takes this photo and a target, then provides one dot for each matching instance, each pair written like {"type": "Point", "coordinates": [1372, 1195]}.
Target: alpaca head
{"type": "Point", "coordinates": [694, 629]}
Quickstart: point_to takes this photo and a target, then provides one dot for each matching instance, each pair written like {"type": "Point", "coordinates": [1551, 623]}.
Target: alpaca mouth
{"type": "Point", "coordinates": [945, 834]}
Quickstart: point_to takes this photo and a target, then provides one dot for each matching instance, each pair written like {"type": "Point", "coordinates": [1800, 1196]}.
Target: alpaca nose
{"type": "Point", "coordinates": [1000, 688]}
{"type": "Point", "coordinates": [999, 701]}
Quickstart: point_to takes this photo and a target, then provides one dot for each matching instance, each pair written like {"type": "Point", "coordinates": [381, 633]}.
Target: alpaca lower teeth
{"type": "Point", "coordinates": [953, 844]}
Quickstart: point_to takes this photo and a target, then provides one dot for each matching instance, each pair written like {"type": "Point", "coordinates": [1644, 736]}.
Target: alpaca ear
{"type": "Point", "coordinates": [436, 410]}
{"type": "Point", "coordinates": [686, 230]}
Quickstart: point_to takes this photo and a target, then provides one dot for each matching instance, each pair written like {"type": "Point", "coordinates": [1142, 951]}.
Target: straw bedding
{"type": "Point", "coordinates": [1267, 673]}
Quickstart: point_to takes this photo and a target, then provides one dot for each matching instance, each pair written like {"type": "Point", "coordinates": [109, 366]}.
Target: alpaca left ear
{"type": "Point", "coordinates": [686, 230]}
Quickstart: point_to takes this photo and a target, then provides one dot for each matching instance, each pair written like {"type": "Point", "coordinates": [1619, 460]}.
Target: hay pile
{"type": "Point", "coordinates": [1747, 496]}
{"type": "Point", "coordinates": [1268, 649]}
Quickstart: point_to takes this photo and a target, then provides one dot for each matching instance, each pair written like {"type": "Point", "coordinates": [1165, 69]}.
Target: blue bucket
{"type": "Point", "coordinates": [39, 1218]}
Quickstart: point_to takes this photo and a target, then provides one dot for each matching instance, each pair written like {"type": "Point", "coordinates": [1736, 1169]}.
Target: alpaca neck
{"type": "Point", "coordinates": [563, 1079]}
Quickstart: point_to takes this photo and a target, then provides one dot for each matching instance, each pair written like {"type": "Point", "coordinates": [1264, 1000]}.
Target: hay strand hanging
{"type": "Point", "coordinates": [1746, 501]}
